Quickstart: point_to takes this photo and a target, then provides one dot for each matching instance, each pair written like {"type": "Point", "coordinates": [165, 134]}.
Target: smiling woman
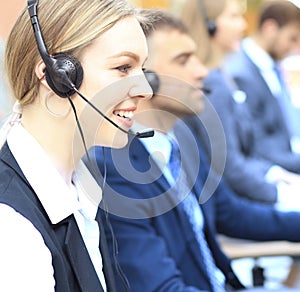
{"type": "Point", "coordinates": [75, 59]}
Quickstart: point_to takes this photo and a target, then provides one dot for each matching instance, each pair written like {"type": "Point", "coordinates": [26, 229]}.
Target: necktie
{"type": "Point", "coordinates": [194, 214]}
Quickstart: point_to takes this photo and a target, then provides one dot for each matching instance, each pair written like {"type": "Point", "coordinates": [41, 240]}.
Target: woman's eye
{"type": "Point", "coordinates": [124, 68]}
{"type": "Point", "coordinates": [182, 61]}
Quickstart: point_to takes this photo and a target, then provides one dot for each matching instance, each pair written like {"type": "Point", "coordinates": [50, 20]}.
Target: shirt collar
{"type": "Point", "coordinates": [88, 190]}
{"type": "Point", "coordinates": [258, 56]}
{"type": "Point", "coordinates": [57, 198]}
{"type": "Point", "coordinates": [159, 146]}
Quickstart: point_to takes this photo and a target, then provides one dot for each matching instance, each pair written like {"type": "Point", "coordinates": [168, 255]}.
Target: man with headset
{"type": "Point", "coordinates": [166, 240]}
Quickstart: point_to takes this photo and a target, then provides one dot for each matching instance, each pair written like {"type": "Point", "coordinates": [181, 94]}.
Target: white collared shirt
{"type": "Point", "coordinates": [265, 64]}
{"type": "Point", "coordinates": [26, 262]}
{"type": "Point", "coordinates": [159, 147]}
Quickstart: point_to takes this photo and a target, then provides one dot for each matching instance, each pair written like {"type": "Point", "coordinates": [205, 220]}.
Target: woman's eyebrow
{"type": "Point", "coordinates": [126, 54]}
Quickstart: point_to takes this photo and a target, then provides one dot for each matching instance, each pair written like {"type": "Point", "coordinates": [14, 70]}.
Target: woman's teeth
{"type": "Point", "coordinates": [124, 114]}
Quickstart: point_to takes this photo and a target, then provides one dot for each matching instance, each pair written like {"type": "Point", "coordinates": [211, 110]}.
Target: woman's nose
{"type": "Point", "coordinates": [141, 88]}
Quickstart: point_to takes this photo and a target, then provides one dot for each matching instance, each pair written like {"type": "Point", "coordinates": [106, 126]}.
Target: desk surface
{"type": "Point", "coordinates": [239, 248]}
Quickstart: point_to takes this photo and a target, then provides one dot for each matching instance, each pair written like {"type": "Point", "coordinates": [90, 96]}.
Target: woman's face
{"type": "Point", "coordinates": [114, 82]}
{"type": "Point", "coordinates": [231, 26]}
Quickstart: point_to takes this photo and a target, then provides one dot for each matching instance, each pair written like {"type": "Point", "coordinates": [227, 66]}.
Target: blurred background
{"type": "Point", "coordinates": [174, 5]}
{"type": "Point", "coordinates": [11, 9]}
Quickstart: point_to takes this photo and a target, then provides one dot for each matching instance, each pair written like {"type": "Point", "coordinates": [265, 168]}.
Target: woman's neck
{"type": "Point", "coordinates": [216, 58]}
{"type": "Point", "coordinates": [56, 138]}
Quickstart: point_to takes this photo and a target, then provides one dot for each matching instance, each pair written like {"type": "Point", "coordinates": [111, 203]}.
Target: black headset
{"type": "Point", "coordinates": [63, 72]}
{"type": "Point", "coordinates": [153, 80]}
{"type": "Point", "coordinates": [211, 25]}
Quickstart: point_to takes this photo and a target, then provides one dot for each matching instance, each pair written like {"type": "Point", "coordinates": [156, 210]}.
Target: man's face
{"type": "Point", "coordinates": [172, 57]}
{"type": "Point", "coordinates": [284, 41]}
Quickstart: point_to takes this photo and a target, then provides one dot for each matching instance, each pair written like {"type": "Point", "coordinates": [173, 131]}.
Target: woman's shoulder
{"type": "Point", "coordinates": [9, 178]}
{"type": "Point", "coordinates": [7, 175]}
{"type": "Point", "coordinates": [11, 175]}
{"type": "Point", "coordinates": [15, 191]}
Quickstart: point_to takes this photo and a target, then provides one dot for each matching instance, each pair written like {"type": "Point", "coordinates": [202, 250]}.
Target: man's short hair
{"type": "Point", "coordinates": [161, 20]}
{"type": "Point", "coordinates": [283, 12]}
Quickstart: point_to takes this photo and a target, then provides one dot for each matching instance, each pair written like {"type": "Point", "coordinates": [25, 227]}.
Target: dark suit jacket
{"type": "Point", "coordinates": [244, 171]}
{"type": "Point", "coordinates": [157, 248]}
{"type": "Point", "coordinates": [271, 133]}
{"type": "Point", "coordinates": [73, 269]}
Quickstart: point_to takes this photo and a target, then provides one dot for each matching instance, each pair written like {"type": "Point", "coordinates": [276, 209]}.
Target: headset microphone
{"type": "Point", "coordinates": [144, 134]}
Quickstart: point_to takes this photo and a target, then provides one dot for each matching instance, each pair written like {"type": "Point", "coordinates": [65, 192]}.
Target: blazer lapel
{"type": "Point", "coordinates": [107, 265]}
{"type": "Point", "coordinates": [163, 198]}
{"type": "Point", "coordinates": [79, 258]}
{"type": "Point", "coordinates": [137, 154]}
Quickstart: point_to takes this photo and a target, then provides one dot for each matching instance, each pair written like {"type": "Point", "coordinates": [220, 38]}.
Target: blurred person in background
{"type": "Point", "coordinates": [222, 26]}
{"type": "Point", "coordinates": [291, 69]}
{"type": "Point", "coordinates": [276, 36]}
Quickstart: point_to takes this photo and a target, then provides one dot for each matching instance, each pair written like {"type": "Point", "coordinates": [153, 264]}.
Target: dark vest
{"type": "Point", "coordinates": [73, 269]}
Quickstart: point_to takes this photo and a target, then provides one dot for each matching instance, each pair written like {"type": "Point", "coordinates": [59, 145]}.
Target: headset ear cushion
{"type": "Point", "coordinates": [64, 64]}
{"type": "Point", "coordinates": [153, 80]}
{"type": "Point", "coordinates": [211, 27]}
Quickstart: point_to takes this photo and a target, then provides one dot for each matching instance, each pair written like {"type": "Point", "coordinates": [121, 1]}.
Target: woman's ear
{"type": "Point", "coordinates": [40, 73]}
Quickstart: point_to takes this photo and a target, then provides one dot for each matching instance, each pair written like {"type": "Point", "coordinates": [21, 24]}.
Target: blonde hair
{"type": "Point", "coordinates": [195, 14]}
{"type": "Point", "coordinates": [68, 26]}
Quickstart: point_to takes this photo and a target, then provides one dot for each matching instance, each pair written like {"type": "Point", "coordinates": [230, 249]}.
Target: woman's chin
{"type": "Point", "coordinates": [119, 141]}
{"type": "Point", "coordinates": [120, 144]}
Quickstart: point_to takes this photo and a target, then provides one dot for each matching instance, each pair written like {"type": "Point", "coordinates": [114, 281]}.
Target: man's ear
{"type": "Point", "coordinates": [270, 27]}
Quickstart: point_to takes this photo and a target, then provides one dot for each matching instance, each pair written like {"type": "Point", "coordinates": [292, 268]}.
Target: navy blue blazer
{"type": "Point", "coordinates": [73, 269]}
{"type": "Point", "coordinates": [271, 133]}
{"type": "Point", "coordinates": [157, 248]}
{"type": "Point", "coordinates": [244, 171]}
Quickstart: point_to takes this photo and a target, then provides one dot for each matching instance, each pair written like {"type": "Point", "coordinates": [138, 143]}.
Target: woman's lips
{"type": "Point", "coordinates": [125, 117]}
